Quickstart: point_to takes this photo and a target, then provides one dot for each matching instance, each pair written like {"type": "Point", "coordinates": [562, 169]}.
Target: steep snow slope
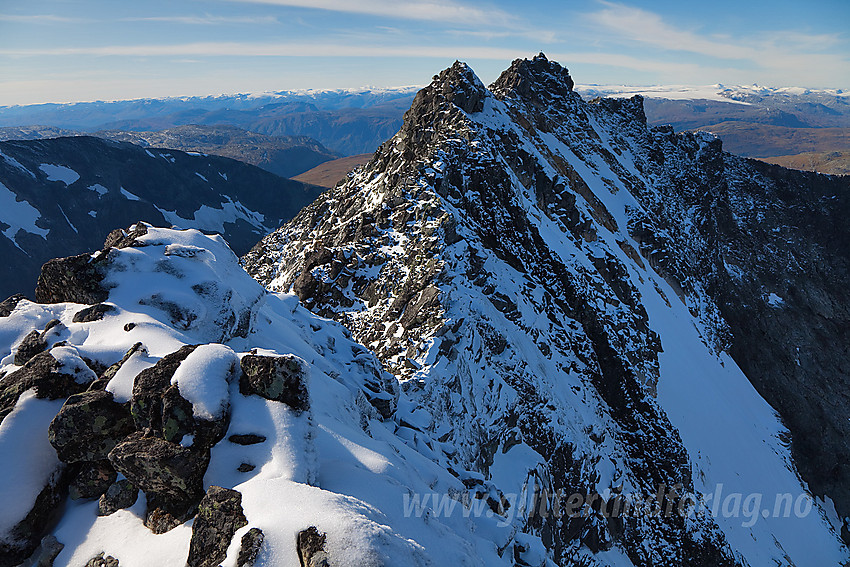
{"type": "Point", "coordinates": [543, 276]}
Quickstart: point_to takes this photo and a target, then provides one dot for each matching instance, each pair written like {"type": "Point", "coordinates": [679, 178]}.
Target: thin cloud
{"type": "Point", "coordinates": [207, 20]}
{"type": "Point", "coordinates": [433, 10]}
{"type": "Point", "coordinates": [772, 49]}
{"type": "Point", "coordinates": [41, 19]}
{"type": "Point", "coordinates": [301, 49]}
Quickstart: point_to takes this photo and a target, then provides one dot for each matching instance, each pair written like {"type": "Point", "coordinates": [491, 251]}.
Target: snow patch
{"type": "Point", "coordinates": [203, 377]}
{"type": "Point", "coordinates": [59, 173]}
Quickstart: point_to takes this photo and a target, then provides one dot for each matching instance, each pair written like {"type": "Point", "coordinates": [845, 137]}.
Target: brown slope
{"type": "Point", "coordinates": [331, 172]}
{"type": "Point", "coordinates": [833, 163]}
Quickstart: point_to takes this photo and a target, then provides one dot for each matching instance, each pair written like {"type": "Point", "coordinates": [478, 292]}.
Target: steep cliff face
{"type": "Point", "coordinates": [582, 304]}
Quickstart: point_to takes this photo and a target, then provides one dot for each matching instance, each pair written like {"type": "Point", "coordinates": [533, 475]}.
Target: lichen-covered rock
{"type": "Point", "coordinates": [120, 495]}
{"type": "Point", "coordinates": [30, 345]}
{"type": "Point", "coordinates": [89, 426]}
{"type": "Point", "coordinates": [311, 548]}
{"type": "Point", "coordinates": [278, 378]}
{"type": "Point", "coordinates": [177, 418]}
{"type": "Point", "coordinates": [102, 560]}
{"type": "Point", "coordinates": [76, 279]}
{"type": "Point", "coordinates": [92, 480]}
{"type": "Point", "coordinates": [94, 313]}
{"type": "Point", "coordinates": [43, 373]}
{"type": "Point", "coordinates": [219, 516]}
{"type": "Point", "coordinates": [252, 541]}
{"type": "Point", "coordinates": [170, 475]}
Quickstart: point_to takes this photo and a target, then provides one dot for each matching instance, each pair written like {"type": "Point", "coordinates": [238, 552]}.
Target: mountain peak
{"type": "Point", "coordinates": [460, 86]}
{"type": "Point", "coordinates": [533, 79]}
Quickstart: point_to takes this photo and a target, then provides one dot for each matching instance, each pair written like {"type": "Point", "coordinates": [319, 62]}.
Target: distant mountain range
{"type": "Point", "coordinates": [348, 122]}
{"type": "Point", "coordinates": [62, 196]}
{"type": "Point", "coordinates": [753, 121]}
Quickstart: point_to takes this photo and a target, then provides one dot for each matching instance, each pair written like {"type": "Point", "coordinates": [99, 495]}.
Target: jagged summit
{"type": "Point", "coordinates": [534, 78]}
{"type": "Point", "coordinates": [557, 286]}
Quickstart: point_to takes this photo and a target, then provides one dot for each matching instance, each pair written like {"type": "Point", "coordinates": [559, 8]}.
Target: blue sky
{"type": "Point", "coordinates": [67, 50]}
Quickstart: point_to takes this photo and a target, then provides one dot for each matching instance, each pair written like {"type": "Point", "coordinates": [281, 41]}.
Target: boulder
{"type": "Point", "coordinates": [76, 279]}
{"type": "Point", "coordinates": [89, 426]}
{"type": "Point", "coordinates": [8, 305]}
{"type": "Point", "coordinates": [219, 516]}
{"type": "Point", "coordinates": [311, 548]}
{"type": "Point", "coordinates": [92, 480]}
{"type": "Point", "coordinates": [170, 475]}
{"type": "Point", "coordinates": [120, 495]}
{"type": "Point", "coordinates": [278, 378]}
{"type": "Point", "coordinates": [41, 372]}
{"type": "Point", "coordinates": [150, 384]}
{"type": "Point", "coordinates": [102, 560]}
{"type": "Point", "coordinates": [31, 345]}
{"type": "Point", "coordinates": [94, 313]}
{"type": "Point", "coordinates": [246, 439]}
{"type": "Point", "coordinates": [24, 538]}
{"type": "Point", "coordinates": [252, 541]}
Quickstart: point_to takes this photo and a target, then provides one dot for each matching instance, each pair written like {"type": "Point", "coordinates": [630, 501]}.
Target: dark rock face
{"type": "Point", "coordinates": [89, 426]}
{"type": "Point", "coordinates": [118, 496]}
{"type": "Point", "coordinates": [279, 378]}
{"type": "Point", "coordinates": [311, 548]}
{"type": "Point", "coordinates": [23, 539]}
{"type": "Point", "coordinates": [8, 305]}
{"type": "Point", "coordinates": [76, 279]}
{"type": "Point", "coordinates": [252, 542]}
{"type": "Point", "coordinates": [29, 346]}
{"type": "Point", "coordinates": [219, 516]}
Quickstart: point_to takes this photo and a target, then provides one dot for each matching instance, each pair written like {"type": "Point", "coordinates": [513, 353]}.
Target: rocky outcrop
{"type": "Point", "coordinates": [219, 516]}
{"type": "Point", "coordinates": [93, 313]}
{"type": "Point", "coordinates": [278, 378]}
{"type": "Point", "coordinates": [170, 475]}
{"type": "Point", "coordinates": [89, 426]}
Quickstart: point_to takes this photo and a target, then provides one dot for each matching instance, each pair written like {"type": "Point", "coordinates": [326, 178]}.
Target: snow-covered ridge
{"type": "Point", "coordinates": [533, 269]}
{"type": "Point", "coordinates": [338, 464]}
{"type": "Point", "coordinates": [718, 92]}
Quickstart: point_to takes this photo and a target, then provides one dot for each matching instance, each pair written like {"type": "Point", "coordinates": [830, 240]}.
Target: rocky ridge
{"type": "Point", "coordinates": [559, 284]}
